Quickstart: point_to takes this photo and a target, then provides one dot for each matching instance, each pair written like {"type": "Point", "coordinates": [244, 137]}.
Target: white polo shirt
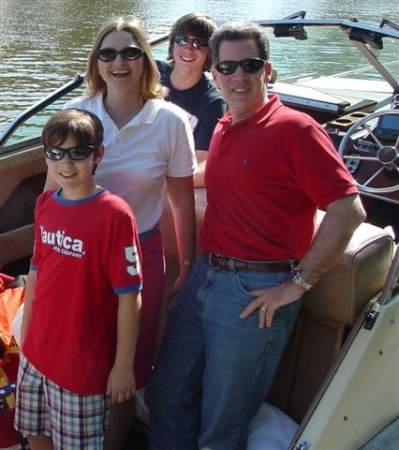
{"type": "Point", "coordinates": [157, 142]}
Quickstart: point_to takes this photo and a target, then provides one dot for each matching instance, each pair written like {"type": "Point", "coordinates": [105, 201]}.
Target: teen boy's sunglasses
{"type": "Point", "coordinates": [250, 65]}
{"type": "Point", "coordinates": [75, 153]}
{"type": "Point", "coordinates": [183, 40]}
{"type": "Point", "coordinates": [128, 54]}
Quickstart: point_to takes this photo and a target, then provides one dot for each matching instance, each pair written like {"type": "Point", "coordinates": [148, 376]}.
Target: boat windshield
{"type": "Point", "coordinates": [368, 52]}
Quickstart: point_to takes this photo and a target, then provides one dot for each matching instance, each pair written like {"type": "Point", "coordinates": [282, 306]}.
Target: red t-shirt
{"type": "Point", "coordinates": [266, 176]}
{"type": "Point", "coordinates": [86, 253]}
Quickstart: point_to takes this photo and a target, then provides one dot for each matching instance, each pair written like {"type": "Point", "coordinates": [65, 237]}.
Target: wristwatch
{"type": "Point", "coordinates": [301, 282]}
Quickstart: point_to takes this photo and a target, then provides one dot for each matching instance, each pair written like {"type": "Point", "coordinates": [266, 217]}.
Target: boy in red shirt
{"type": "Point", "coordinates": [81, 313]}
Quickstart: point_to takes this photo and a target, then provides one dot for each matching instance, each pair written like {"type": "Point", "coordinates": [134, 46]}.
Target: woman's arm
{"type": "Point", "coordinates": [181, 196]}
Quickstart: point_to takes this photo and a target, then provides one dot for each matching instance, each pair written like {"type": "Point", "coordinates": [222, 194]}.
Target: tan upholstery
{"type": "Point", "coordinates": [358, 276]}
{"type": "Point", "coordinates": [342, 293]}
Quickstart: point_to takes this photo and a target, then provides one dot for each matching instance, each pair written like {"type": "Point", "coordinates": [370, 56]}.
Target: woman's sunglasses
{"type": "Point", "coordinates": [75, 153]}
{"type": "Point", "coordinates": [128, 54]}
{"type": "Point", "coordinates": [183, 40]}
{"type": "Point", "coordinates": [250, 65]}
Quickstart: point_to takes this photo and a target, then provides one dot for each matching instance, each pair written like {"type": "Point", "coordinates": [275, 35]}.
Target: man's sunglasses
{"type": "Point", "coordinates": [250, 65]}
{"type": "Point", "coordinates": [75, 153]}
{"type": "Point", "coordinates": [128, 53]}
{"type": "Point", "coordinates": [183, 40]}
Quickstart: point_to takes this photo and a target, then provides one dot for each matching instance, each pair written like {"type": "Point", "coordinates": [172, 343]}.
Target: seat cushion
{"type": "Point", "coordinates": [358, 276]}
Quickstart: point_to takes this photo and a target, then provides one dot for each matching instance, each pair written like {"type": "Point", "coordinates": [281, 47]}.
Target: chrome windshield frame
{"type": "Point", "coordinates": [295, 24]}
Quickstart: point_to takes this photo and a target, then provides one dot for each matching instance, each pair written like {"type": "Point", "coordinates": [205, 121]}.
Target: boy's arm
{"type": "Point", "coordinates": [121, 381]}
{"type": "Point", "coordinates": [29, 297]}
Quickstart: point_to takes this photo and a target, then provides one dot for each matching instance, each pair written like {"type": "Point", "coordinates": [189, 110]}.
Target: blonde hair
{"type": "Point", "coordinates": [150, 85]}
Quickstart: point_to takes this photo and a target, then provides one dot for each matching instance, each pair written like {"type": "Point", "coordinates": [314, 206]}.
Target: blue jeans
{"type": "Point", "coordinates": [215, 369]}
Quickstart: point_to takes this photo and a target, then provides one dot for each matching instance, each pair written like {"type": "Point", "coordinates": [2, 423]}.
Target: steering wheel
{"type": "Point", "coordinates": [386, 156]}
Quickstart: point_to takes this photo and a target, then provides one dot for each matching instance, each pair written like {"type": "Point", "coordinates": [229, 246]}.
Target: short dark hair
{"type": "Point", "coordinates": [197, 24]}
{"type": "Point", "coordinates": [83, 125]}
{"type": "Point", "coordinates": [238, 31]}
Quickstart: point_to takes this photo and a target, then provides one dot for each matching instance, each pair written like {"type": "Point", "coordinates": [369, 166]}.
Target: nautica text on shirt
{"type": "Point", "coordinates": [62, 243]}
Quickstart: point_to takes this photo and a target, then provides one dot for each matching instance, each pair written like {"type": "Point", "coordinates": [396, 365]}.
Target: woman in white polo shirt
{"type": "Point", "coordinates": [149, 152]}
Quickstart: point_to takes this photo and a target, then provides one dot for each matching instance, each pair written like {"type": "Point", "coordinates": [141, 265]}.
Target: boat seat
{"type": "Point", "coordinates": [342, 293]}
{"type": "Point", "coordinates": [357, 277]}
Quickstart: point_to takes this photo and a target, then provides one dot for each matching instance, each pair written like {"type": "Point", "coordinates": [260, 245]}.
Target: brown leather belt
{"type": "Point", "coordinates": [234, 264]}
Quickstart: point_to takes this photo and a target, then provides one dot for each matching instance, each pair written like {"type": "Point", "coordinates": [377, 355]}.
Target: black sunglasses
{"type": "Point", "coordinates": [75, 153]}
{"type": "Point", "coordinates": [183, 40]}
{"type": "Point", "coordinates": [128, 53]}
{"type": "Point", "coordinates": [250, 65]}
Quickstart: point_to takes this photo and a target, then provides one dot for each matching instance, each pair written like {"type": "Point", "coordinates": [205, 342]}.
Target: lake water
{"type": "Point", "coordinates": [45, 42]}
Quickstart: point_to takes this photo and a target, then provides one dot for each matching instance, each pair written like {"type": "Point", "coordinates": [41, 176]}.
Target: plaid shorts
{"type": "Point", "coordinates": [73, 421]}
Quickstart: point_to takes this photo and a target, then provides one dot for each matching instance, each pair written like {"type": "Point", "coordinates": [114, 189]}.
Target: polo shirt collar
{"type": "Point", "coordinates": [262, 114]}
{"type": "Point", "coordinates": [146, 115]}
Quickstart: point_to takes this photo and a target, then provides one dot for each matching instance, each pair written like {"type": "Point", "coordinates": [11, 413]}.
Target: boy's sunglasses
{"type": "Point", "coordinates": [250, 65]}
{"type": "Point", "coordinates": [183, 40]}
{"type": "Point", "coordinates": [128, 54]}
{"type": "Point", "coordinates": [75, 153]}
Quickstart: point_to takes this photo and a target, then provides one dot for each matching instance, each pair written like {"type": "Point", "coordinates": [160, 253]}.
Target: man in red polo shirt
{"type": "Point", "coordinates": [268, 170]}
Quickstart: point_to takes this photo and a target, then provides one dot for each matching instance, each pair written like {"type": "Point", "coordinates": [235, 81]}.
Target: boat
{"type": "Point", "coordinates": [338, 379]}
